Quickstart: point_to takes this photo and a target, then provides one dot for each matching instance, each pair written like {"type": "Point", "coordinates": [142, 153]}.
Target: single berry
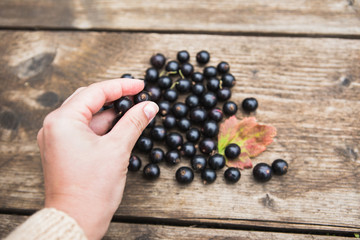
{"type": "Point", "coordinates": [192, 101]}
{"type": "Point", "coordinates": [144, 144]}
{"type": "Point", "coordinates": [207, 146]}
{"type": "Point", "coordinates": [209, 100]}
{"type": "Point", "coordinates": [262, 172]}
{"type": "Point", "coordinates": [280, 167]}
{"type": "Point", "coordinates": [127, 75]}
{"type": "Point", "coordinates": [141, 97]}
{"type": "Point", "coordinates": [216, 114]}
{"type": "Point", "coordinates": [223, 94]}
{"type": "Point", "coordinates": [223, 67]}
{"type": "Point", "coordinates": [188, 149]}
{"type": "Point", "coordinates": [203, 57]}
{"type": "Point", "coordinates": [193, 135]}
{"type": "Point", "coordinates": [198, 163]}
{"type": "Point", "coordinates": [164, 107]}
{"type": "Point", "coordinates": [210, 129]}
{"type": "Point", "coordinates": [156, 155]}
{"type": "Point", "coordinates": [151, 171]}
{"type": "Point", "coordinates": [172, 67]}
{"type": "Point", "coordinates": [169, 121]}
{"type": "Point", "coordinates": [198, 89]}
{"type": "Point", "coordinates": [198, 115]}
{"type": "Point", "coordinates": [151, 75]}
{"type": "Point", "coordinates": [228, 80]}
{"type": "Point", "coordinates": [232, 151]}
{"type": "Point", "coordinates": [164, 82]}
{"type": "Point", "coordinates": [158, 60]}
{"type": "Point", "coordinates": [183, 124]}
{"type": "Point", "coordinates": [151, 123]}
{"type": "Point", "coordinates": [134, 163]}
{"type": "Point", "coordinates": [183, 56]}
{"type": "Point", "coordinates": [170, 95]}
{"type": "Point", "coordinates": [232, 175]}
{"type": "Point", "coordinates": [158, 133]}
{"type": "Point", "coordinates": [172, 157]}
{"type": "Point", "coordinates": [183, 85]}
{"type": "Point", "coordinates": [216, 161]}
{"type": "Point", "coordinates": [197, 77]}
{"type": "Point", "coordinates": [184, 175]}
{"type": "Point", "coordinates": [230, 108]}
{"type": "Point", "coordinates": [208, 176]}
{"type": "Point", "coordinates": [187, 69]}
{"type": "Point", "coordinates": [122, 105]}
{"type": "Point", "coordinates": [154, 92]}
{"type": "Point", "coordinates": [180, 110]}
{"type": "Point", "coordinates": [249, 104]}
{"type": "Point", "coordinates": [210, 72]}
{"type": "Point", "coordinates": [213, 84]}
{"type": "Point", "coordinates": [174, 140]}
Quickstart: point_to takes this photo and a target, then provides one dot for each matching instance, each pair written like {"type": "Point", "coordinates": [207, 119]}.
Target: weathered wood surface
{"type": "Point", "coordinates": [330, 17]}
{"type": "Point", "coordinates": [307, 88]}
{"type": "Point", "coordinates": [144, 231]}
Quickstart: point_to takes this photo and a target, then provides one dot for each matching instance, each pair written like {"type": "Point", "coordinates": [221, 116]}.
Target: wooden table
{"type": "Point", "coordinates": [300, 59]}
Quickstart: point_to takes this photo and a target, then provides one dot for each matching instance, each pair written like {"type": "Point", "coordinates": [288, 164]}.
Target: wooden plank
{"type": "Point", "coordinates": [307, 88]}
{"type": "Point", "coordinates": [329, 17]}
{"type": "Point", "coordinates": [144, 231]}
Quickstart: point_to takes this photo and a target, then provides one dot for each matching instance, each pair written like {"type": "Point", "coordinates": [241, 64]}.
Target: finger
{"type": "Point", "coordinates": [90, 100]}
{"type": "Point", "coordinates": [102, 121]}
{"type": "Point", "coordinates": [133, 123]}
{"type": "Point", "coordinates": [72, 95]}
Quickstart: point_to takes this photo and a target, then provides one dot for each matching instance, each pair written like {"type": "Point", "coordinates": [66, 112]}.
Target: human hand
{"type": "Point", "coordinates": [84, 168]}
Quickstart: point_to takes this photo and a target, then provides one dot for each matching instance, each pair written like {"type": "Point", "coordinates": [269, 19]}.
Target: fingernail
{"type": "Point", "coordinates": [150, 110]}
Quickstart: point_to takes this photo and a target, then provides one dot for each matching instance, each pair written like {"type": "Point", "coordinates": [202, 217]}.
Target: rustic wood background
{"type": "Point", "coordinates": [300, 59]}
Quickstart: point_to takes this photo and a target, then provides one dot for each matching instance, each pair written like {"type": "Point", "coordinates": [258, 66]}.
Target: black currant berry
{"type": "Point", "coordinates": [183, 85]}
{"type": "Point", "coordinates": [184, 175]}
{"type": "Point", "coordinates": [279, 167]}
{"type": "Point", "coordinates": [197, 77]}
{"type": "Point", "coordinates": [216, 161]}
{"type": "Point", "coordinates": [151, 75]}
{"type": "Point", "coordinates": [152, 123]}
{"type": "Point", "coordinates": [170, 95]}
{"type": "Point", "coordinates": [198, 89]}
{"type": "Point", "coordinates": [158, 60]}
{"type": "Point", "coordinates": [122, 105]}
{"type": "Point", "coordinates": [228, 80]}
{"type": "Point", "coordinates": [174, 140]}
{"type": "Point", "coordinates": [151, 171]}
{"type": "Point", "coordinates": [198, 115]}
{"type": "Point", "coordinates": [154, 92]}
{"type": "Point", "coordinates": [183, 124]}
{"type": "Point", "coordinates": [158, 133]}
{"type": "Point", "coordinates": [224, 94]}
{"type": "Point", "coordinates": [183, 56]}
{"type": "Point", "coordinates": [213, 84]}
{"type": "Point", "coordinates": [134, 163]}
{"type": "Point", "coordinates": [216, 114]}
{"type": "Point", "coordinates": [249, 104]}
{"type": "Point", "coordinates": [232, 175]}
{"type": "Point", "coordinates": [192, 101]}
{"type": "Point", "coordinates": [210, 72]}
{"type": "Point", "coordinates": [156, 155]}
{"type": "Point", "coordinates": [164, 107]}
{"type": "Point", "coordinates": [127, 75]}
{"type": "Point", "coordinates": [230, 108]}
{"type": "Point", "coordinates": [172, 67]}
{"type": "Point", "coordinates": [164, 82]}
{"type": "Point", "coordinates": [187, 69]}
{"type": "Point", "coordinates": [141, 97]}
{"type": "Point", "coordinates": [262, 172]}
{"type": "Point", "coordinates": [210, 129]}
{"type": "Point", "coordinates": [144, 144]}
{"type": "Point", "coordinates": [188, 149]}
{"type": "Point", "coordinates": [203, 57]}
{"type": "Point", "coordinates": [193, 135]}
{"type": "Point", "coordinates": [207, 146]}
{"type": "Point", "coordinates": [208, 176]}
{"type": "Point", "coordinates": [198, 163]}
{"type": "Point", "coordinates": [232, 151]}
{"type": "Point", "coordinates": [172, 157]}
{"type": "Point", "coordinates": [223, 67]}
{"type": "Point", "coordinates": [169, 121]}
{"type": "Point", "coordinates": [180, 110]}
{"type": "Point", "coordinates": [209, 100]}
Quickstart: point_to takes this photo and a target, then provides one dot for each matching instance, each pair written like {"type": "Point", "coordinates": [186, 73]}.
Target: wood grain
{"type": "Point", "coordinates": [307, 88]}
{"type": "Point", "coordinates": [329, 17]}
{"type": "Point", "coordinates": [144, 231]}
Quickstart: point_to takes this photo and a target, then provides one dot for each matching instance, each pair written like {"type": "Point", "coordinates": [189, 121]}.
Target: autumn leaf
{"type": "Point", "coordinates": [251, 137]}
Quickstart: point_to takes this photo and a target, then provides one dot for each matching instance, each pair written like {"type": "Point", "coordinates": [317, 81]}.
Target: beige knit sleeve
{"type": "Point", "coordinates": [49, 224]}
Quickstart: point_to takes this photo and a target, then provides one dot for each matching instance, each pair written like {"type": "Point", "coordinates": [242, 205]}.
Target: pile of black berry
{"type": "Point", "coordinates": [187, 124]}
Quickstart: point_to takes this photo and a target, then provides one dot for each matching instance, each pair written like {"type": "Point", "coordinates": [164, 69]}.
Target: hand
{"type": "Point", "coordinates": [84, 168]}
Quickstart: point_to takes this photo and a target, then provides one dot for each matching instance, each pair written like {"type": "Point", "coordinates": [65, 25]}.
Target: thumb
{"type": "Point", "coordinates": [129, 128]}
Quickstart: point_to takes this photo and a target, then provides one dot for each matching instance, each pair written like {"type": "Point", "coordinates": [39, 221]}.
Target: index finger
{"type": "Point", "coordinates": [90, 100]}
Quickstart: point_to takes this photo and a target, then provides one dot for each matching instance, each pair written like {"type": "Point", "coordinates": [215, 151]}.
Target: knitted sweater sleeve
{"type": "Point", "coordinates": [49, 224]}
